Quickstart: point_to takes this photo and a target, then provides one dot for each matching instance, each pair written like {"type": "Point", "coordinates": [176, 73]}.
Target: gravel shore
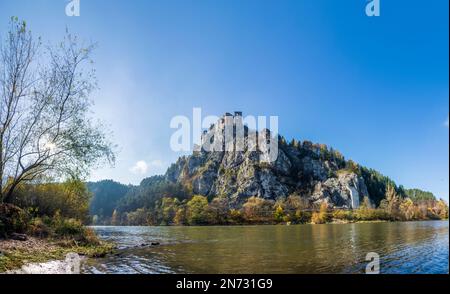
{"type": "Point", "coordinates": [68, 263]}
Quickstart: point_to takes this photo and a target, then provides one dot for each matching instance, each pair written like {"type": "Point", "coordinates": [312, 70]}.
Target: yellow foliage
{"type": "Point", "coordinates": [322, 216]}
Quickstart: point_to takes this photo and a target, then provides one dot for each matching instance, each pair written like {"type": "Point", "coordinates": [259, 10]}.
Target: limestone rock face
{"type": "Point", "coordinates": [346, 191]}
{"type": "Point", "coordinates": [236, 169]}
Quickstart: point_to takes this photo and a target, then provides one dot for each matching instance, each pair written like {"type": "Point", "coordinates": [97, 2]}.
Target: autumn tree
{"type": "Point", "coordinates": [257, 209]}
{"type": "Point", "coordinates": [139, 217]}
{"type": "Point", "coordinates": [391, 203]}
{"type": "Point", "coordinates": [295, 208]}
{"type": "Point", "coordinates": [218, 211]}
{"type": "Point", "coordinates": [45, 126]}
{"type": "Point", "coordinates": [322, 216]}
{"type": "Point", "coordinates": [278, 214]}
{"type": "Point", "coordinates": [442, 209]}
{"type": "Point", "coordinates": [196, 213]}
{"type": "Point", "coordinates": [168, 210]}
{"type": "Point", "coordinates": [235, 216]}
{"type": "Point", "coordinates": [180, 216]}
{"type": "Point", "coordinates": [70, 199]}
{"type": "Point", "coordinates": [408, 209]}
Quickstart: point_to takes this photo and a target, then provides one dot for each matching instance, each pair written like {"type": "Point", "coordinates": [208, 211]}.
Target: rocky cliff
{"type": "Point", "coordinates": [310, 170]}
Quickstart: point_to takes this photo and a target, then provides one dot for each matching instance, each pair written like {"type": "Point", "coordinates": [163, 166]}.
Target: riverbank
{"type": "Point", "coordinates": [29, 239]}
{"type": "Point", "coordinates": [38, 255]}
{"type": "Point", "coordinates": [334, 221]}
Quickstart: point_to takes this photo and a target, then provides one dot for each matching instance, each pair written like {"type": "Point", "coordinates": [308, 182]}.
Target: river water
{"type": "Point", "coordinates": [403, 247]}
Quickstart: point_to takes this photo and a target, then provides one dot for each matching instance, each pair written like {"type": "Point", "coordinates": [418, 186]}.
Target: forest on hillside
{"type": "Point", "coordinates": [158, 201]}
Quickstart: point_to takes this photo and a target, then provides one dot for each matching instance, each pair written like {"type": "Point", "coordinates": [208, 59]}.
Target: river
{"type": "Point", "coordinates": [403, 247]}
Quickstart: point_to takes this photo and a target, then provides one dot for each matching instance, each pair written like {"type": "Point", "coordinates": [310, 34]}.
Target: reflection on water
{"type": "Point", "coordinates": [410, 247]}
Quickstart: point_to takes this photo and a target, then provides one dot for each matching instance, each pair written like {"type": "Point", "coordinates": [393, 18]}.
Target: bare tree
{"type": "Point", "coordinates": [45, 125]}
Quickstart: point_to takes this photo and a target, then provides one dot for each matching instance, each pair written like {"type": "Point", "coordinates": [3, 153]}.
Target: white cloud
{"type": "Point", "coordinates": [140, 167]}
{"type": "Point", "coordinates": [446, 122]}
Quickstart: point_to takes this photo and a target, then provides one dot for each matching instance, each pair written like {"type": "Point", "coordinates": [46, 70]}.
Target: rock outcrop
{"type": "Point", "coordinates": [344, 191]}
{"type": "Point", "coordinates": [242, 171]}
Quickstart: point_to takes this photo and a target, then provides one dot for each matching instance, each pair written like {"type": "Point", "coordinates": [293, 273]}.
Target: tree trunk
{"type": "Point", "coordinates": [8, 197]}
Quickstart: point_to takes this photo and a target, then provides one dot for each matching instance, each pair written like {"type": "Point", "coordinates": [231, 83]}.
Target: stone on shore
{"type": "Point", "coordinates": [70, 265]}
{"type": "Point", "coordinates": [19, 237]}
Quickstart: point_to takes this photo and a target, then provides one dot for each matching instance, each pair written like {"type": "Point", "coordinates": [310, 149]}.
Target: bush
{"type": "Point", "coordinates": [368, 214]}
{"type": "Point", "coordinates": [342, 215]}
{"type": "Point", "coordinates": [302, 216]}
{"type": "Point", "coordinates": [318, 218]}
{"type": "Point", "coordinates": [39, 228]}
{"type": "Point", "coordinates": [12, 220]}
{"type": "Point", "coordinates": [235, 217]}
{"type": "Point", "coordinates": [68, 232]}
{"type": "Point", "coordinates": [279, 215]}
{"type": "Point", "coordinates": [72, 232]}
{"type": "Point", "coordinates": [68, 227]}
{"type": "Point", "coordinates": [70, 199]}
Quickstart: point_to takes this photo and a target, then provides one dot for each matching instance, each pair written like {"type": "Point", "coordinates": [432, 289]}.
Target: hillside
{"type": "Point", "coordinates": [213, 186]}
{"type": "Point", "coordinates": [314, 171]}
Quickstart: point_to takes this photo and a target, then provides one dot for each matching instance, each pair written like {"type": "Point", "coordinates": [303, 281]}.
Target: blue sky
{"type": "Point", "coordinates": [374, 88]}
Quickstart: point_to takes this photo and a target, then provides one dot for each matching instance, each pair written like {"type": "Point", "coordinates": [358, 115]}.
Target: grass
{"type": "Point", "coordinates": [14, 259]}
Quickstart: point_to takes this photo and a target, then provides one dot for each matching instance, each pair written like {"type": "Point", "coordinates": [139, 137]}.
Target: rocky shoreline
{"type": "Point", "coordinates": [45, 256]}
{"type": "Point", "coordinates": [70, 265]}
